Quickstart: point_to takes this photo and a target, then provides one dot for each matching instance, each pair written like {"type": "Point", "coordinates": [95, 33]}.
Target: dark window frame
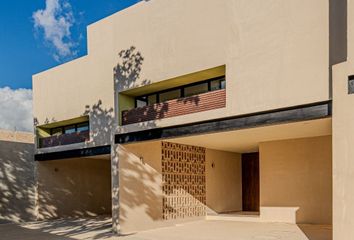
{"type": "Point", "coordinates": [84, 124]}
{"type": "Point", "coordinates": [181, 94]}
{"type": "Point", "coordinates": [71, 127]}
{"type": "Point", "coordinates": [207, 84]}
{"type": "Point", "coordinates": [182, 90]}
{"type": "Point", "coordinates": [75, 125]}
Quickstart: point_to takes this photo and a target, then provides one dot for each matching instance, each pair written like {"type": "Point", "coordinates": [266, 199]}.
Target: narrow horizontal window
{"type": "Point", "coordinates": [180, 92]}
{"type": "Point", "coordinates": [196, 89]}
{"type": "Point", "coordinates": [152, 99]}
{"type": "Point", "coordinates": [82, 127]}
{"type": "Point", "coordinates": [174, 94]}
{"type": "Point", "coordinates": [69, 129]}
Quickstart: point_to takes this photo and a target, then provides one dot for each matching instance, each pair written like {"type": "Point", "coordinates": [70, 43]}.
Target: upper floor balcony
{"type": "Point", "coordinates": [64, 139]}
{"type": "Point", "coordinates": [63, 135]}
{"type": "Point", "coordinates": [187, 99]}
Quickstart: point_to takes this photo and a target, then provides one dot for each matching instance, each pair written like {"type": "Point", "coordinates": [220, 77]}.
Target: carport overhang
{"type": "Point", "coordinates": [236, 135]}
{"type": "Point", "coordinates": [248, 140]}
{"type": "Point", "coordinates": [313, 120]}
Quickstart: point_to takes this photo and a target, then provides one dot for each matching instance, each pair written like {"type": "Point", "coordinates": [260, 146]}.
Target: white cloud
{"type": "Point", "coordinates": [56, 21]}
{"type": "Point", "coordinates": [16, 109]}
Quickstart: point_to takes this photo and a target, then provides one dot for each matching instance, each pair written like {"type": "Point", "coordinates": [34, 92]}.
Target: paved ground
{"type": "Point", "coordinates": [206, 230]}
{"type": "Point", "coordinates": [68, 229]}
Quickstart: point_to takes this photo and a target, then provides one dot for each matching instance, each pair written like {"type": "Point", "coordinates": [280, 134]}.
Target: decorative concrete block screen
{"type": "Point", "coordinates": [183, 176]}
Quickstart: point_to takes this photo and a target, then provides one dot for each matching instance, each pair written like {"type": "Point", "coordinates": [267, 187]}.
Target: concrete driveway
{"type": "Point", "coordinates": [209, 230]}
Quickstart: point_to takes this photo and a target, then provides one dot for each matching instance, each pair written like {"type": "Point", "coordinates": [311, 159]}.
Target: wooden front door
{"type": "Point", "coordinates": [250, 182]}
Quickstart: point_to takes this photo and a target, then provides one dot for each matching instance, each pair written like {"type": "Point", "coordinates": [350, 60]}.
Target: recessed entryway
{"type": "Point", "coordinates": [265, 174]}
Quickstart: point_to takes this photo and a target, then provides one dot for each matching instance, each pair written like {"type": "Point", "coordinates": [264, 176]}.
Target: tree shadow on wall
{"type": "Point", "coordinates": [17, 182]}
{"type": "Point", "coordinates": [190, 100]}
{"type": "Point", "coordinates": [59, 187]}
{"type": "Point", "coordinates": [101, 123]}
{"type": "Point", "coordinates": [128, 69]}
{"type": "Point", "coordinates": [74, 197]}
{"type": "Point", "coordinates": [145, 116]}
{"type": "Point", "coordinates": [140, 188]}
{"type": "Point", "coordinates": [127, 75]}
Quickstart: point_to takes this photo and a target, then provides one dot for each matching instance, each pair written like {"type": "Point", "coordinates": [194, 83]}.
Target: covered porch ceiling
{"type": "Point", "coordinates": [247, 140]}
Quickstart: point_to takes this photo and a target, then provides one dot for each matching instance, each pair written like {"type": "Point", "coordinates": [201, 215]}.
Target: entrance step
{"type": "Point", "coordinates": [266, 214]}
{"type": "Point", "coordinates": [235, 216]}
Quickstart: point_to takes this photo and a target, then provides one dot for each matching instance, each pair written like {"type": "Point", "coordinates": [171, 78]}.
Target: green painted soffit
{"type": "Point", "coordinates": [125, 103]}
{"type": "Point", "coordinates": [176, 82]}
{"type": "Point", "coordinates": [65, 122]}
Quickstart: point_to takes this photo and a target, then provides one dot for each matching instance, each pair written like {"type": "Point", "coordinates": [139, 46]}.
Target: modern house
{"type": "Point", "coordinates": [187, 110]}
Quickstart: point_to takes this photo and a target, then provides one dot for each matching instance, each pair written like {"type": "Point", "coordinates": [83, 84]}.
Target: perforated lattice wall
{"type": "Point", "coordinates": [183, 176]}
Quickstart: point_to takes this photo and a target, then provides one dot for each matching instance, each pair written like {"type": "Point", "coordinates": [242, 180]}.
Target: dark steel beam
{"type": "Point", "coordinates": [76, 153]}
{"type": "Point", "coordinates": [279, 116]}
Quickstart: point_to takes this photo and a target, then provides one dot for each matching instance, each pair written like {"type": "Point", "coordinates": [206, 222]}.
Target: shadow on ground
{"type": "Point", "coordinates": [13, 231]}
{"type": "Point", "coordinates": [316, 232]}
{"type": "Point", "coordinates": [63, 229]}
{"type": "Point", "coordinates": [100, 228]}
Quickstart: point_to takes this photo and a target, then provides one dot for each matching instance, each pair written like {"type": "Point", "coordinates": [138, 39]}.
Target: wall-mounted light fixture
{"type": "Point", "coordinates": [351, 84]}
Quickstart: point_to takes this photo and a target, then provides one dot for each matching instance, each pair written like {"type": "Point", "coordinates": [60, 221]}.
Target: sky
{"type": "Point", "coordinates": [37, 35]}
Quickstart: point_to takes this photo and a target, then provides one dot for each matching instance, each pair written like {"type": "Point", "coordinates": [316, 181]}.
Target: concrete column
{"type": "Point", "coordinates": [343, 153]}
{"type": "Point", "coordinates": [343, 140]}
{"type": "Point", "coordinates": [115, 160]}
{"type": "Point", "coordinates": [115, 187]}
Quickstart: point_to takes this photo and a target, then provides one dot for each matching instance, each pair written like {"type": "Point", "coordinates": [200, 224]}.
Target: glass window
{"type": "Point", "coordinates": [196, 89]}
{"type": "Point", "coordinates": [57, 131]}
{"type": "Point", "coordinates": [215, 85]}
{"type": "Point", "coordinates": [189, 90]}
{"type": "Point", "coordinates": [82, 127]}
{"type": "Point", "coordinates": [69, 129]}
{"type": "Point", "coordinates": [173, 94]}
{"type": "Point", "coordinates": [223, 84]}
{"type": "Point", "coordinates": [152, 99]}
{"type": "Point", "coordinates": [218, 84]}
{"type": "Point", "coordinates": [141, 102]}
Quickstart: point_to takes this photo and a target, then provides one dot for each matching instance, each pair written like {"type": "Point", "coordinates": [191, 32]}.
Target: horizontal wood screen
{"type": "Point", "coordinates": [177, 107]}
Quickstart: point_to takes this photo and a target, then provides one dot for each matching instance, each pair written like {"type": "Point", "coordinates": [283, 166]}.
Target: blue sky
{"type": "Point", "coordinates": [36, 35]}
{"type": "Point", "coordinates": [24, 51]}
